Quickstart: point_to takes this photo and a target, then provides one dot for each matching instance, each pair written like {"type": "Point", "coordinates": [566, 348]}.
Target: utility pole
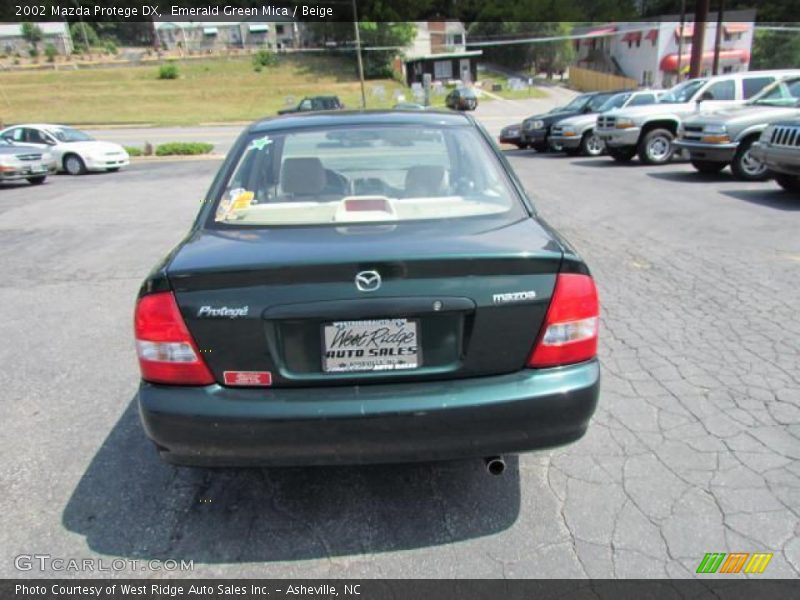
{"type": "Point", "coordinates": [358, 56]}
{"type": "Point", "coordinates": [699, 37]}
{"type": "Point", "coordinates": [718, 38]}
{"type": "Point", "coordinates": [680, 40]}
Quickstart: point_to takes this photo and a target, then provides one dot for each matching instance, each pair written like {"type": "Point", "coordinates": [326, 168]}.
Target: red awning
{"type": "Point", "coordinates": [670, 61]}
{"type": "Point", "coordinates": [652, 35]}
{"type": "Point", "coordinates": [688, 30]}
{"type": "Point", "coordinates": [736, 27]}
{"type": "Point", "coordinates": [603, 31]}
{"type": "Point", "coordinates": [632, 36]}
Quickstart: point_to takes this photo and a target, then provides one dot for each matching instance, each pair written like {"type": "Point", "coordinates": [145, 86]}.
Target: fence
{"type": "Point", "coordinates": [586, 80]}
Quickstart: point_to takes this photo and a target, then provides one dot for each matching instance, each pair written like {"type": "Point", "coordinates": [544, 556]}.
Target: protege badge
{"type": "Point", "coordinates": [514, 297]}
{"type": "Point", "coordinates": [223, 311]}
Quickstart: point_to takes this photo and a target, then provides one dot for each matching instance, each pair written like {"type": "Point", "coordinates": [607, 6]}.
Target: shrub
{"type": "Point", "coordinates": [168, 71]}
{"type": "Point", "coordinates": [33, 51]}
{"type": "Point", "coordinates": [133, 150]}
{"type": "Point", "coordinates": [183, 148]}
{"type": "Point", "coordinates": [111, 47]}
{"type": "Point", "coordinates": [50, 52]}
{"type": "Point", "coordinates": [264, 58]}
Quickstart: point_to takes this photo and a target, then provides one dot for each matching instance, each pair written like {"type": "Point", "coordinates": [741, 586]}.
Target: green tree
{"type": "Point", "coordinates": [83, 33]}
{"type": "Point", "coordinates": [32, 34]}
{"type": "Point", "coordinates": [775, 50]}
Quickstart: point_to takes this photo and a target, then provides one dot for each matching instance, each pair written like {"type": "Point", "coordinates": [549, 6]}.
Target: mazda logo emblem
{"type": "Point", "coordinates": [368, 281]}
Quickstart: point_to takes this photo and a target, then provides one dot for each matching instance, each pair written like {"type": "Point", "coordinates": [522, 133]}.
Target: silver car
{"type": "Point", "coordinates": [726, 137]}
{"type": "Point", "coordinates": [17, 163]}
{"type": "Point", "coordinates": [576, 135]}
{"type": "Point", "coordinates": [779, 149]}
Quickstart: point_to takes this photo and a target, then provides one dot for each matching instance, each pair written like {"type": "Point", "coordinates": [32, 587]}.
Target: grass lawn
{"type": "Point", "coordinates": [212, 90]}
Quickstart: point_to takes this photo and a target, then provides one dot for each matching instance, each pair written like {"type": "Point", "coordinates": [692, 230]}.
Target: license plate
{"type": "Point", "coordinates": [378, 345]}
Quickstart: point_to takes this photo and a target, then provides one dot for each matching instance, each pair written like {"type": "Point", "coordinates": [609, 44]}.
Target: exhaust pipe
{"type": "Point", "coordinates": [495, 465]}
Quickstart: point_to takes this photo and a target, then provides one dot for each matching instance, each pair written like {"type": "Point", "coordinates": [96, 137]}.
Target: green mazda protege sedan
{"type": "Point", "coordinates": [366, 287]}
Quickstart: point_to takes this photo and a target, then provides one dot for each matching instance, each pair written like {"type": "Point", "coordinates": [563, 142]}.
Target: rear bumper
{"type": "Point", "coordinates": [517, 412]}
{"type": "Point", "coordinates": [711, 152]}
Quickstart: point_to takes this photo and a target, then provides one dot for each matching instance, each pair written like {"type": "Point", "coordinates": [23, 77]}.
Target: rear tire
{"type": "Point", "coordinates": [708, 167]}
{"type": "Point", "coordinates": [790, 183]}
{"type": "Point", "coordinates": [572, 151]}
{"type": "Point", "coordinates": [591, 144]}
{"type": "Point", "coordinates": [656, 147]}
{"type": "Point", "coordinates": [37, 180]}
{"type": "Point", "coordinates": [745, 166]}
{"type": "Point", "coordinates": [74, 165]}
{"type": "Point", "coordinates": [621, 155]}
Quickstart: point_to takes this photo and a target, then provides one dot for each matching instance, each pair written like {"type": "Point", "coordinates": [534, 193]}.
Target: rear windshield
{"type": "Point", "coordinates": [359, 175]}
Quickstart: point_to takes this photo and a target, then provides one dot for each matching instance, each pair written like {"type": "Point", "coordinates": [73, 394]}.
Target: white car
{"type": "Point", "coordinates": [73, 151]}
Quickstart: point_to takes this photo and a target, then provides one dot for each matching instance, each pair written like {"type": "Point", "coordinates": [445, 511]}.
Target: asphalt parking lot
{"type": "Point", "coordinates": [694, 448]}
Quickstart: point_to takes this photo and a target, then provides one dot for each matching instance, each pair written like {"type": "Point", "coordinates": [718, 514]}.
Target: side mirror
{"type": "Point", "coordinates": [587, 109]}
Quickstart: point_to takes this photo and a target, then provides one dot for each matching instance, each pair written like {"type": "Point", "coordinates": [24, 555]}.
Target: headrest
{"type": "Point", "coordinates": [302, 176]}
{"type": "Point", "coordinates": [425, 180]}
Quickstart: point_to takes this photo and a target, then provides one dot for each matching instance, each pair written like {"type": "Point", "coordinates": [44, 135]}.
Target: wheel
{"type": "Point", "coordinates": [745, 166]}
{"type": "Point", "coordinates": [656, 147]}
{"type": "Point", "coordinates": [37, 180]}
{"type": "Point", "coordinates": [591, 144]}
{"type": "Point", "coordinates": [621, 154]}
{"type": "Point", "coordinates": [572, 151]}
{"type": "Point", "coordinates": [540, 147]}
{"type": "Point", "coordinates": [73, 164]}
{"type": "Point", "coordinates": [791, 183]}
{"type": "Point", "coordinates": [708, 167]}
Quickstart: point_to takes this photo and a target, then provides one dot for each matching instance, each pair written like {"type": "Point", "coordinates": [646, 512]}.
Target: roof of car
{"type": "Point", "coordinates": [360, 117]}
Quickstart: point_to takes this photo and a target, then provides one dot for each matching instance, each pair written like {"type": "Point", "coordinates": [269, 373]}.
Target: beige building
{"type": "Point", "coordinates": [56, 33]}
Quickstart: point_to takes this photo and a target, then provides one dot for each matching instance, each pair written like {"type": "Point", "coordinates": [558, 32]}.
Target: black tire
{"type": "Point", "coordinates": [655, 147]}
{"type": "Point", "coordinates": [708, 167]}
{"type": "Point", "coordinates": [572, 151]}
{"type": "Point", "coordinates": [37, 180]}
{"type": "Point", "coordinates": [790, 183]}
{"type": "Point", "coordinates": [540, 147]}
{"type": "Point", "coordinates": [591, 144]}
{"type": "Point", "coordinates": [74, 165]}
{"type": "Point", "coordinates": [744, 165]}
{"type": "Point", "coordinates": [622, 155]}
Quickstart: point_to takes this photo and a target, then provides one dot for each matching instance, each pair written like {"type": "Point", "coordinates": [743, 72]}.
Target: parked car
{"type": "Point", "coordinates": [73, 151]}
{"type": "Point", "coordinates": [536, 129]}
{"type": "Point", "coordinates": [576, 135]}
{"type": "Point", "coordinates": [650, 130]}
{"type": "Point", "coordinates": [715, 140]}
{"type": "Point", "coordinates": [314, 104]}
{"type": "Point", "coordinates": [463, 98]}
{"type": "Point", "coordinates": [339, 304]}
{"type": "Point", "coordinates": [512, 134]}
{"type": "Point", "coordinates": [18, 162]}
{"type": "Point", "coordinates": [779, 149]}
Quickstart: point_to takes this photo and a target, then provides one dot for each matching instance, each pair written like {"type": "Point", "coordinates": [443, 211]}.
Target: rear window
{"type": "Point", "coordinates": [359, 175]}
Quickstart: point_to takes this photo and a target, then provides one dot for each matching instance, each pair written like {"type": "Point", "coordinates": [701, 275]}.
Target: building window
{"type": "Point", "coordinates": [638, 43]}
{"type": "Point", "coordinates": [279, 29]}
{"type": "Point", "coordinates": [443, 69]}
{"type": "Point", "coordinates": [727, 69]}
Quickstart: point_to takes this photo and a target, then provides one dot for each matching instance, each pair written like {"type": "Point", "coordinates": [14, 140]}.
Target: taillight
{"type": "Point", "coordinates": [569, 333]}
{"type": "Point", "coordinates": [167, 353]}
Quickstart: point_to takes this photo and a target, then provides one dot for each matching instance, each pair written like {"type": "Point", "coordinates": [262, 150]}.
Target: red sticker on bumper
{"type": "Point", "coordinates": [247, 378]}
